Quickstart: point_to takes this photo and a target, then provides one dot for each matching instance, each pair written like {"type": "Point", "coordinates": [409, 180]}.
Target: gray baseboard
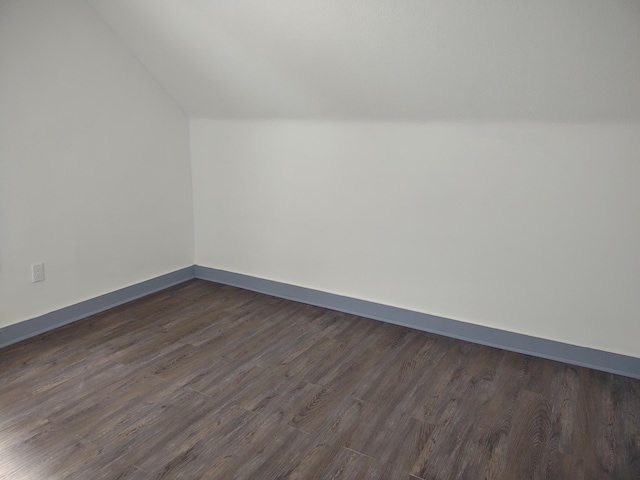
{"type": "Point", "coordinates": [539, 347]}
{"type": "Point", "coordinates": [35, 326]}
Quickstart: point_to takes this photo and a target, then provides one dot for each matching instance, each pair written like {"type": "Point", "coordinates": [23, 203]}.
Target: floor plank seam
{"type": "Point", "coordinates": [139, 468]}
{"type": "Point", "coordinates": [359, 453]}
{"type": "Point", "coordinates": [296, 429]}
{"type": "Point", "coordinates": [197, 391]}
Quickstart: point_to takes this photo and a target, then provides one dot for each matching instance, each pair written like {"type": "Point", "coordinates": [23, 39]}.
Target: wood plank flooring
{"type": "Point", "coordinates": [205, 381]}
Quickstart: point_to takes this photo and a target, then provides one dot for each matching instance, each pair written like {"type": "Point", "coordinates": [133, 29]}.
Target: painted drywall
{"type": "Point", "coordinates": [529, 228]}
{"type": "Point", "coordinates": [94, 162]}
{"type": "Point", "coordinates": [510, 200]}
{"type": "Point", "coordinates": [497, 60]}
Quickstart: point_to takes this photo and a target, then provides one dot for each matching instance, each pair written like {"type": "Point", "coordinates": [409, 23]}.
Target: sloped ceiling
{"type": "Point", "coordinates": [538, 60]}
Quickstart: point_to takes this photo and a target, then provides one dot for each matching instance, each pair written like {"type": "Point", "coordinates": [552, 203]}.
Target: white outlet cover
{"type": "Point", "coordinates": [37, 272]}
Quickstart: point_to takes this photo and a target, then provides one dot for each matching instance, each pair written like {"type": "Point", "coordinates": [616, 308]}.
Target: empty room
{"type": "Point", "coordinates": [319, 239]}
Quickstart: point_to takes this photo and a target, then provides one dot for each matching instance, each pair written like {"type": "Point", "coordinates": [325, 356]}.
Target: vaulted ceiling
{"type": "Point", "coordinates": [542, 60]}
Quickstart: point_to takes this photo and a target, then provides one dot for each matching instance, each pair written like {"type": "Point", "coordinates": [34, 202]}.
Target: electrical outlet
{"type": "Point", "coordinates": [37, 272]}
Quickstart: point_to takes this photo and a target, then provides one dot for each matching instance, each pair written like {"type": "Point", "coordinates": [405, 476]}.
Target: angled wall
{"type": "Point", "coordinates": [94, 162]}
{"type": "Point", "coordinates": [421, 60]}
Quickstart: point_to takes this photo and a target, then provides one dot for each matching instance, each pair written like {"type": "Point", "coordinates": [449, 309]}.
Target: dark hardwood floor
{"type": "Point", "coordinates": [209, 381]}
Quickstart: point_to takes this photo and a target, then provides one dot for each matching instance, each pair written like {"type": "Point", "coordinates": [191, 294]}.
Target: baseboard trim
{"type": "Point", "coordinates": [516, 342]}
{"type": "Point", "coordinates": [35, 326]}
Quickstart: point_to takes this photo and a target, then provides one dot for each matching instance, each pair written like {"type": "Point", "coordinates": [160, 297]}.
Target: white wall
{"type": "Point", "coordinates": [94, 162]}
{"type": "Point", "coordinates": [531, 228]}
